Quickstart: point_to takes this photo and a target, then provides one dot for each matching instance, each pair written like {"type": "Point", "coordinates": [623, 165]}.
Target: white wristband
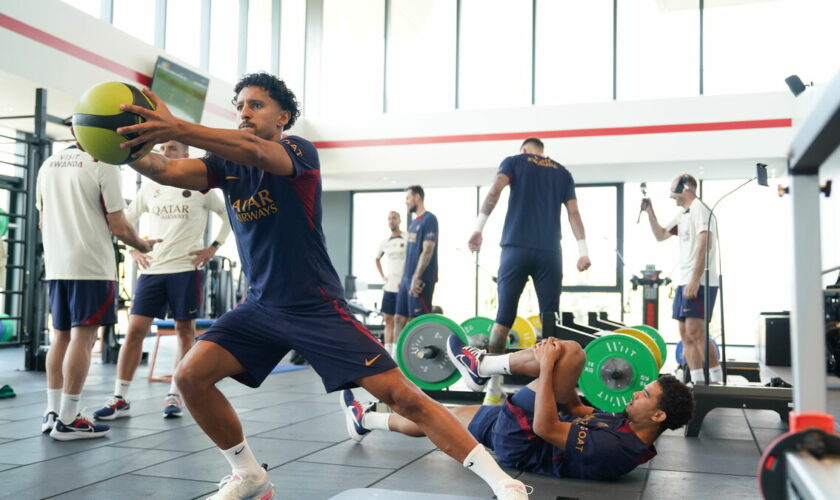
{"type": "Point", "coordinates": [582, 250]}
{"type": "Point", "coordinates": [479, 224]}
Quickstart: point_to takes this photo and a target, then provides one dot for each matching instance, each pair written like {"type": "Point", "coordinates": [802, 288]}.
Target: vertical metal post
{"type": "Point", "coordinates": [32, 322]}
{"type": "Point", "coordinates": [807, 314]}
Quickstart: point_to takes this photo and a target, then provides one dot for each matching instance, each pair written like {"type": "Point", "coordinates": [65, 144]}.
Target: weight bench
{"type": "Point", "coordinates": [164, 328]}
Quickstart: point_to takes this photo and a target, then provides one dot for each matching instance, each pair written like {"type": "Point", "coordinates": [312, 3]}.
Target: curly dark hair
{"type": "Point", "coordinates": [676, 400]}
{"type": "Point", "coordinates": [276, 88]}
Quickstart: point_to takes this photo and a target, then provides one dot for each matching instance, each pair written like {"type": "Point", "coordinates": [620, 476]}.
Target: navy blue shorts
{"type": "Point", "coordinates": [692, 308]}
{"type": "Point", "coordinates": [516, 264]}
{"type": "Point", "coordinates": [389, 303]}
{"type": "Point", "coordinates": [507, 430]}
{"type": "Point", "coordinates": [411, 306]}
{"type": "Point", "coordinates": [339, 348]}
{"type": "Point", "coordinates": [83, 303]}
{"type": "Point", "coordinates": [156, 294]}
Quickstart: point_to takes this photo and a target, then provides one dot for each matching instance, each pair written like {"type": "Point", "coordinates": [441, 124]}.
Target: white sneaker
{"type": "Point", "coordinates": [512, 490]}
{"type": "Point", "coordinates": [235, 487]}
{"type": "Point", "coordinates": [48, 422]}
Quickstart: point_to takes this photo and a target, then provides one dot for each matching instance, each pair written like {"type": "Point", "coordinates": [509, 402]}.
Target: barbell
{"type": "Point", "coordinates": [617, 363]}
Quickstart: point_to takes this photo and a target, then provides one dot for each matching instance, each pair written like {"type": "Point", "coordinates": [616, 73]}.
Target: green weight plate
{"type": "Point", "coordinates": [421, 351]}
{"type": "Point", "coordinates": [616, 366]}
{"type": "Point", "coordinates": [657, 337]}
{"type": "Point", "coordinates": [478, 331]}
{"type": "Point", "coordinates": [4, 222]}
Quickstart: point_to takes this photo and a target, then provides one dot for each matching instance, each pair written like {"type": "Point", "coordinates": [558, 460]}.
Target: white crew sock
{"type": "Point", "coordinates": [390, 348]}
{"type": "Point", "coordinates": [242, 461]}
{"type": "Point", "coordinates": [121, 388]}
{"type": "Point", "coordinates": [716, 374]}
{"type": "Point", "coordinates": [53, 400]}
{"type": "Point", "coordinates": [69, 407]}
{"type": "Point", "coordinates": [482, 464]}
{"type": "Point", "coordinates": [373, 421]}
{"type": "Point", "coordinates": [697, 376]}
{"type": "Point", "coordinates": [173, 389]}
{"type": "Point", "coordinates": [493, 391]}
{"type": "Point", "coordinates": [494, 365]}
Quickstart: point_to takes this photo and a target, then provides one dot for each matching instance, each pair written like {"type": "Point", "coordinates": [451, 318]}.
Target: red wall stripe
{"type": "Point", "coordinates": [72, 49]}
{"type": "Point", "coordinates": [83, 54]}
{"type": "Point", "coordinates": [553, 134]}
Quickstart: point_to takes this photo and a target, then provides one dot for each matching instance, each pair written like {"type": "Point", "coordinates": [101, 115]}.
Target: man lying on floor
{"type": "Point", "coordinates": [544, 427]}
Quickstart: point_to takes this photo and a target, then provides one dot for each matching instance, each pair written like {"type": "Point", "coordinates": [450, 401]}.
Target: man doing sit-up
{"type": "Point", "coordinates": [544, 427]}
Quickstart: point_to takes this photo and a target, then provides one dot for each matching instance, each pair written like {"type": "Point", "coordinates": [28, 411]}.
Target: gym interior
{"type": "Point", "coordinates": [627, 95]}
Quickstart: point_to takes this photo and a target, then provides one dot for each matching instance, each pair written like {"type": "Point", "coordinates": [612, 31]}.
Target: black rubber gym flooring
{"type": "Point", "coordinates": [299, 432]}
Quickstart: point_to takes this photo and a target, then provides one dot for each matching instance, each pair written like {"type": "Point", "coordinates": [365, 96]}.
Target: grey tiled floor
{"type": "Point", "coordinates": [299, 432]}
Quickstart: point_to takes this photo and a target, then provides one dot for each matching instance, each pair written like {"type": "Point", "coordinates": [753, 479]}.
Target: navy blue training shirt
{"type": "Point", "coordinates": [538, 188]}
{"type": "Point", "coordinates": [422, 228]}
{"type": "Point", "coordinates": [277, 223]}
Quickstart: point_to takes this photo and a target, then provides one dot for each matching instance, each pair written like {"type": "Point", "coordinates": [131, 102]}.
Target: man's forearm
{"type": "Point", "coordinates": [152, 165]}
{"type": "Point", "coordinates": [490, 202]}
{"type": "Point", "coordinates": [545, 405]}
{"type": "Point", "coordinates": [422, 263]}
{"type": "Point", "coordinates": [576, 221]}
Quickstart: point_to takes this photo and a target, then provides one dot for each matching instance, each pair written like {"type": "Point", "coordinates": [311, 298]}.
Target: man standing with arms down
{"type": "Point", "coordinates": [539, 187]}
{"type": "Point", "coordinates": [421, 263]}
{"type": "Point", "coordinates": [691, 226]}
{"type": "Point", "coordinates": [171, 277]}
{"type": "Point", "coordinates": [81, 206]}
{"type": "Point", "coordinates": [393, 249]}
{"type": "Point", "coordinates": [272, 186]}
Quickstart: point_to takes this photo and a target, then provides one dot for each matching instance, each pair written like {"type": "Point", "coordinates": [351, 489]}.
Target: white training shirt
{"type": "Point", "coordinates": [690, 223]}
{"type": "Point", "coordinates": [393, 249]}
{"type": "Point", "coordinates": [73, 195]}
{"type": "Point", "coordinates": [178, 217]}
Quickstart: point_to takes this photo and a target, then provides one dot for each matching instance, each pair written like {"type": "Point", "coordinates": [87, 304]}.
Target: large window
{"type": "Point", "coordinates": [641, 250]}
{"type": "Point", "coordinates": [658, 51]}
{"type": "Point", "coordinates": [370, 228]}
{"type": "Point", "coordinates": [598, 207]}
{"type": "Point", "coordinates": [753, 47]}
{"type": "Point", "coordinates": [224, 39]}
{"type": "Point", "coordinates": [259, 36]}
{"type": "Point", "coordinates": [183, 30]}
{"type": "Point", "coordinates": [754, 226]}
{"type": "Point", "coordinates": [137, 18]}
{"type": "Point", "coordinates": [495, 55]}
{"type": "Point", "coordinates": [293, 44]}
{"type": "Point", "coordinates": [92, 7]}
{"type": "Point", "coordinates": [352, 57]}
{"type": "Point", "coordinates": [574, 51]}
{"type": "Point", "coordinates": [421, 56]}
{"type": "Point", "coordinates": [755, 255]}
{"type": "Point", "coordinates": [455, 211]}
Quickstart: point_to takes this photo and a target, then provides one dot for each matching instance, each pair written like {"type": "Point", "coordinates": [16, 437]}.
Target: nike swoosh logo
{"type": "Point", "coordinates": [238, 451]}
{"type": "Point", "coordinates": [193, 311]}
{"type": "Point", "coordinates": [369, 362]}
{"type": "Point", "coordinates": [469, 465]}
{"type": "Point", "coordinates": [231, 177]}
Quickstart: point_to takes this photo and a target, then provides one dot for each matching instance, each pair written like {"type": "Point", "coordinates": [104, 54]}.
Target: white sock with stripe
{"type": "Point", "coordinates": [69, 407]}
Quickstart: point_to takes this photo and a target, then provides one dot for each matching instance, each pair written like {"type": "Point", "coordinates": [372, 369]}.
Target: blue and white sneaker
{"type": "Point", "coordinates": [81, 428]}
{"type": "Point", "coordinates": [116, 407]}
{"type": "Point", "coordinates": [172, 406]}
{"type": "Point", "coordinates": [466, 359]}
{"type": "Point", "coordinates": [353, 413]}
{"type": "Point", "coordinates": [48, 422]}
